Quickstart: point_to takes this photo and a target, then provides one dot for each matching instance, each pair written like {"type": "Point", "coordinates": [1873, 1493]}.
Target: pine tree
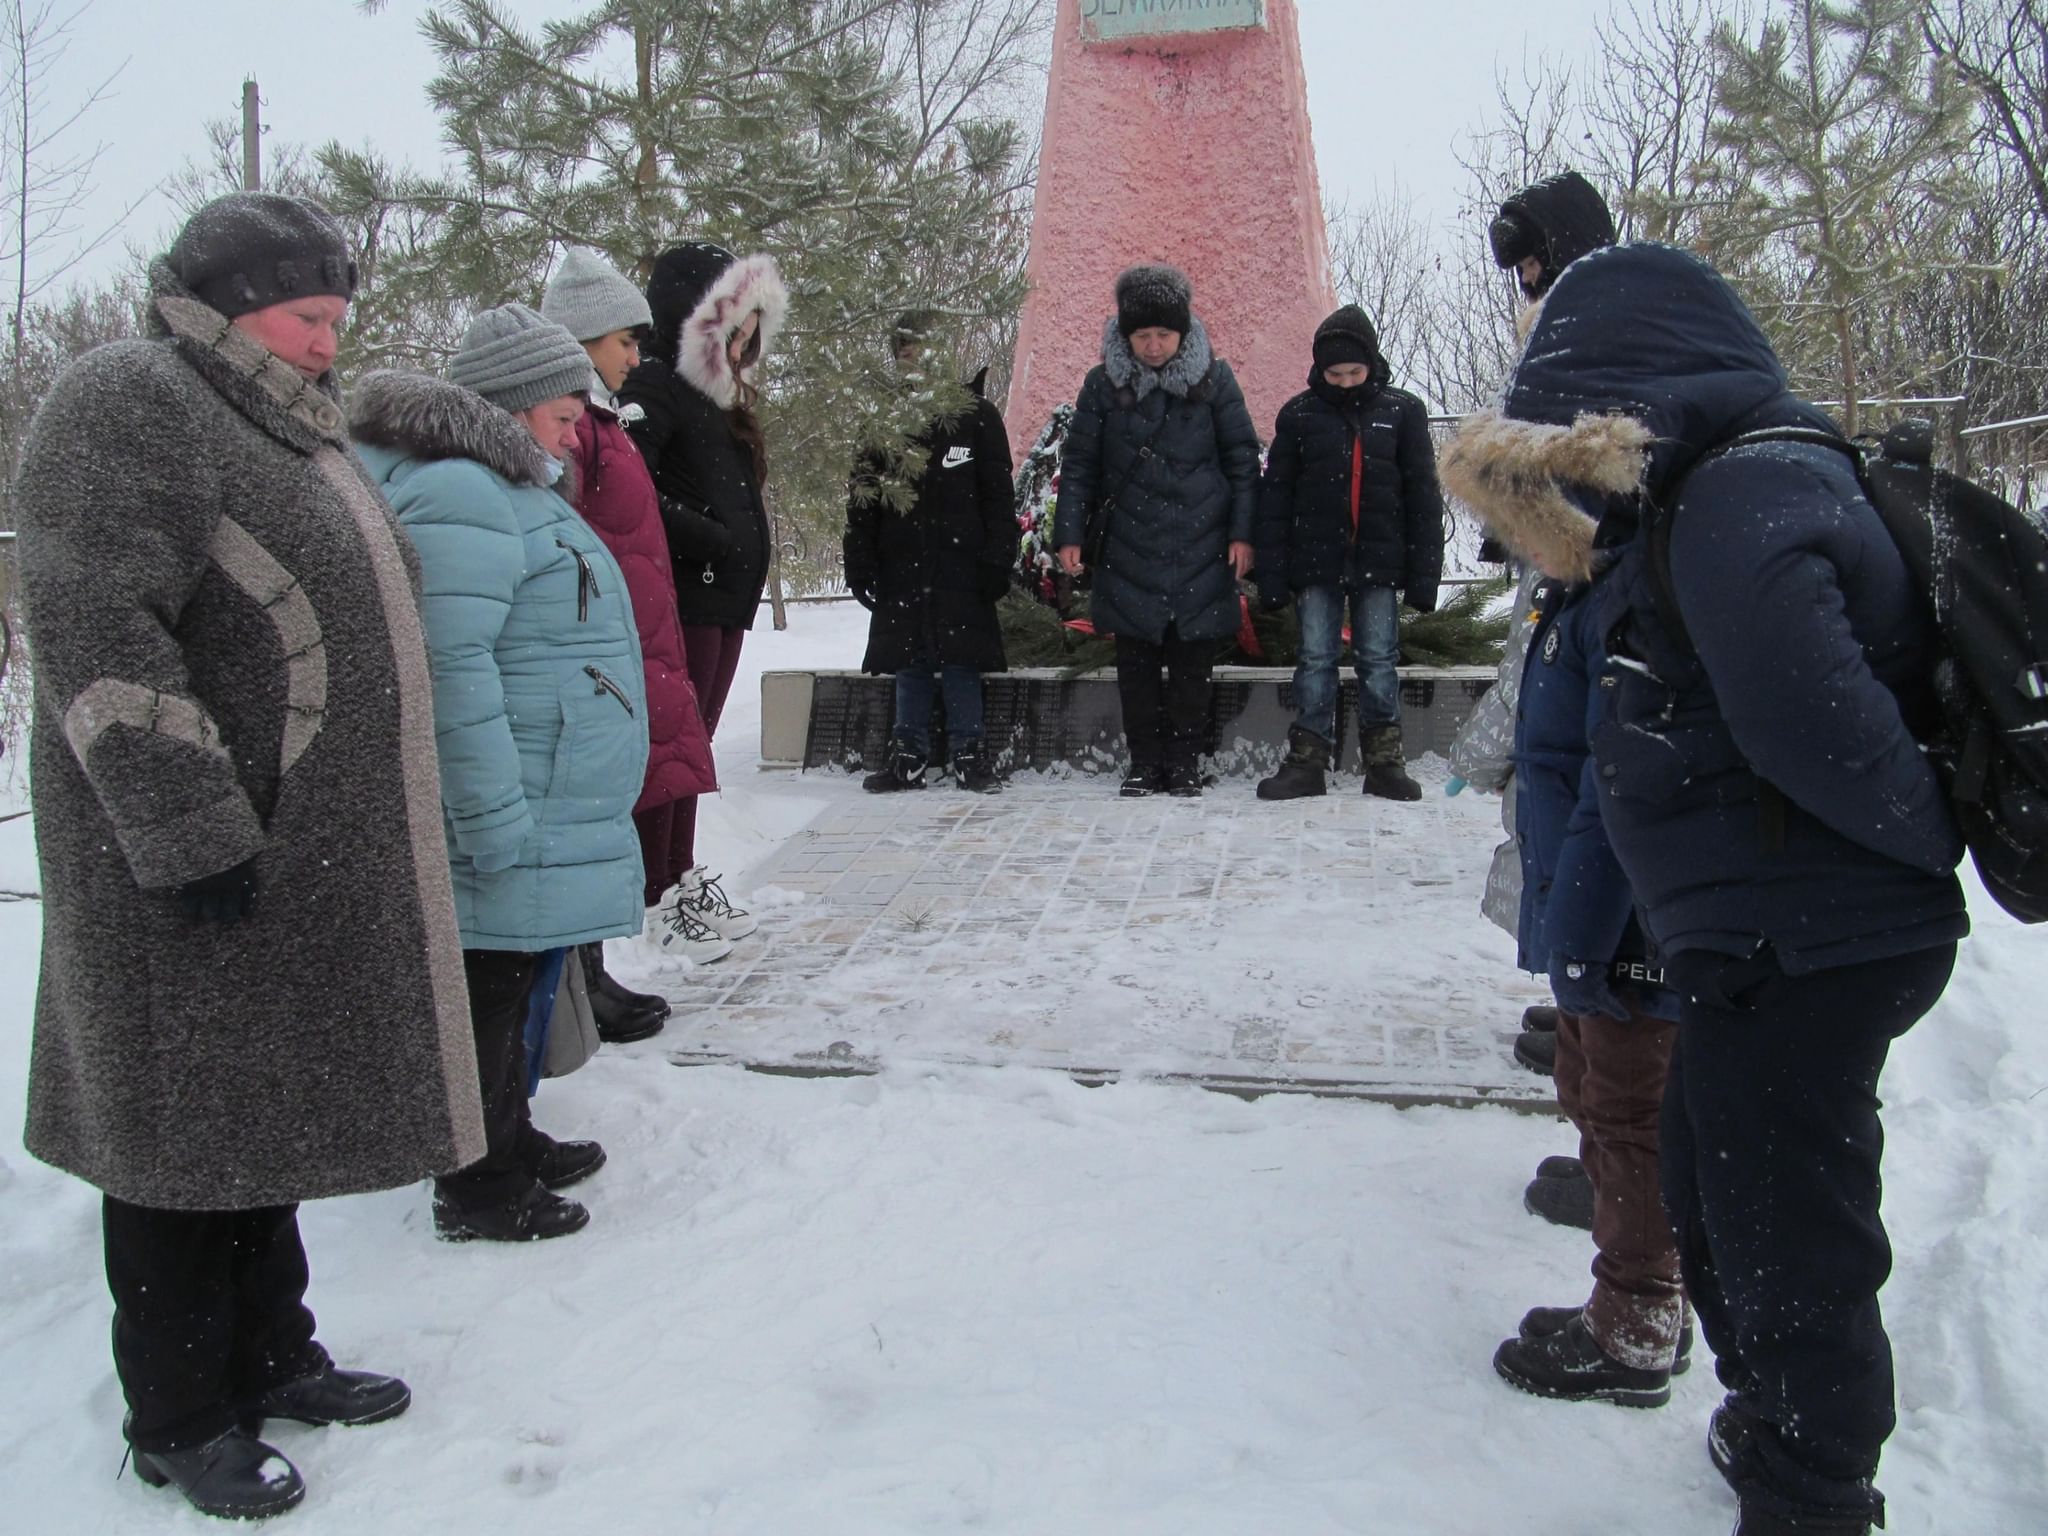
{"type": "Point", "coordinates": [1836, 132]}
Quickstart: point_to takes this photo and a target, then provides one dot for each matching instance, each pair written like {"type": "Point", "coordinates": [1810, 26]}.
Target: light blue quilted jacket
{"type": "Point", "coordinates": [540, 710]}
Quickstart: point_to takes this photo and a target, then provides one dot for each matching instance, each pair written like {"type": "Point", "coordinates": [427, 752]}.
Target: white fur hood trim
{"type": "Point", "coordinates": [751, 284]}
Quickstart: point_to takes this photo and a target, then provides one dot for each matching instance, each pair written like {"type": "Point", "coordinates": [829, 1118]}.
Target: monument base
{"type": "Point", "coordinates": [1044, 719]}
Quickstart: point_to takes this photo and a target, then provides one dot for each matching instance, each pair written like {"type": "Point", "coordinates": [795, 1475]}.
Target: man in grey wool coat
{"type": "Point", "coordinates": [251, 988]}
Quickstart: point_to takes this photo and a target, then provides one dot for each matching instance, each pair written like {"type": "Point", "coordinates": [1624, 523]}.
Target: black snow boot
{"type": "Point", "coordinates": [329, 1395]}
{"type": "Point", "coordinates": [974, 768]}
{"type": "Point", "coordinates": [1141, 779]}
{"type": "Point", "coordinates": [1566, 1202]}
{"type": "Point", "coordinates": [1301, 772]}
{"type": "Point", "coordinates": [1536, 1049]}
{"type": "Point", "coordinates": [904, 770]}
{"type": "Point", "coordinates": [1767, 1512]}
{"type": "Point", "coordinates": [1540, 1016]}
{"type": "Point", "coordinates": [1540, 1322]}
{"type": "Point", "coordinates": [1729, 1432]}
{"type": "Point", "coordinates": [1560, 1167]}
{"type": "Point", "coordinates": [532, 1215]}
{"type": "Point", "coordinates": [1386, 773]}
{"type": "Point", "coordinates": [234, 1476]}
{"type": "Point", "coordinates": [1570, 1365]}
{"type": "Point", "coordinates": [622, 1014]}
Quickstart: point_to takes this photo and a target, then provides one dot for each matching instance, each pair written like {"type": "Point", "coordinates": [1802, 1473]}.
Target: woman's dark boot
{"type": "Point", "coordinates": [1302, 772]}
{"type": "Point", "coordinates": [1386, 772]}
{"type": "Point", "coordinates": [232, 1477]}
{"type": "Point", "coordinates": [622, 1014]}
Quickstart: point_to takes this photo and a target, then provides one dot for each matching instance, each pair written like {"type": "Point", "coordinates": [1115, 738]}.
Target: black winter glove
{"type": "Point", "coordinates": [865, 596]}
{"type": "Point", "coordinates": [223, 898]}
{"type": "Point", "coordinates": [1421, 599]}
{"type": "Point", "coordinates": [995, 582]}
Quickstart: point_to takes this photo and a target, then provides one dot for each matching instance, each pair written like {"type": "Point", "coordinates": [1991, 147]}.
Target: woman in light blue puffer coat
{"type": "Point", "coordinates": [540, 715]}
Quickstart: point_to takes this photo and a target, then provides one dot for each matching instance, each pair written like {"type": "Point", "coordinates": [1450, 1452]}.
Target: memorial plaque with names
{"type": "Point", "coordinates": [1111, 21]}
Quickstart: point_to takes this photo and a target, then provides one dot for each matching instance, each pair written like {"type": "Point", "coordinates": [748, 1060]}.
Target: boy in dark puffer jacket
{"type": "Point", "coordinates": [1351, 521]}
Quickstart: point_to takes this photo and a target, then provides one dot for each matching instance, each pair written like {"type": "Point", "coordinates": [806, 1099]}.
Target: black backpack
{"type": "Point", "coordinates": [1982, 567]}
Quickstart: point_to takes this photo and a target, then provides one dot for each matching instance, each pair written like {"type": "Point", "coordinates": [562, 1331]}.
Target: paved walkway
{"type": "Point", "coordinates": [1329, 945]}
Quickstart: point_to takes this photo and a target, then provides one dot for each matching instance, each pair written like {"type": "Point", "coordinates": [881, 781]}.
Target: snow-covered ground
{"type": "Point", "coordinates": [948, 1299]}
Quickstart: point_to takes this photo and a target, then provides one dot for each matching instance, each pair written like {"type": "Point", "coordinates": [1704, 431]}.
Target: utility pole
{"type": "Point", "coordinates": [252, 139]}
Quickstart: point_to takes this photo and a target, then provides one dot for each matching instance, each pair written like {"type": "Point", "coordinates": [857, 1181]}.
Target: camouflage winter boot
{"type": "Point", "coordinates": [1386, 772]}
{"type": "Point", "coordinates": [1302, 771]}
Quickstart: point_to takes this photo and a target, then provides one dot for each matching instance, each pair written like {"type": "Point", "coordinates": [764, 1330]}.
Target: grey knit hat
{"type": "Point", "coordinates": [249, 250]}
{"type": "Point", "coordinates": [515, 358]}
{"type": "Point", "coordinates": [589, 299]}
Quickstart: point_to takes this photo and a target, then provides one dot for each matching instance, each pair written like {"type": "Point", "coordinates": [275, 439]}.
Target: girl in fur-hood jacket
{"type": "Point", "coordinates": [689, 408]}
{"type": "Point", "coordinates": [1159, 483]}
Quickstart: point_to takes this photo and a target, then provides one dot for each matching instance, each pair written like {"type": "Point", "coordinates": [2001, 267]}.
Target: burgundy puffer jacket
{"type": "Point", "coordinates": [616, 497]}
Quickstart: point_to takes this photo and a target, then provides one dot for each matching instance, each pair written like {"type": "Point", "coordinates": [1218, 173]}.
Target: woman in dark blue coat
{"type": "Point", "coordinates": [1786, 838]}
{"type": "Point", "coordinates": [1161, 469]}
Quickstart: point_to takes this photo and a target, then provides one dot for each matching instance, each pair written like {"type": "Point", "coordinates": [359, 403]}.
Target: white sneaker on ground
{"type": "Point", "coordinates": [677, 934]}
{"type": "Point", "coordinates": [700, 894]}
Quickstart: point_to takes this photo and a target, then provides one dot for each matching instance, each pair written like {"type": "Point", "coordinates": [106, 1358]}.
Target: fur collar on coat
{"type": "Point", "coordinates": [429, 418]}
{"type": "Point", "coordinates": [1183, 371]}
{"type": "Point", "coordinates": [1514, 475]}
{"type": "Point", "coordinates": [753, 284]}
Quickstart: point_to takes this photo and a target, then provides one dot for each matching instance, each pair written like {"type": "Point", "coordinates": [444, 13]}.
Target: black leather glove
{"type": "Point", "coordinates": [995, 582]}
{"type": "Point", "coordinates": [865, 596]}
{"type": "Point", "coordinates": [223, 898]}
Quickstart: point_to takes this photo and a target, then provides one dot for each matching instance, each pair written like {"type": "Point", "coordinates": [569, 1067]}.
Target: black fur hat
{"type": "Point", "coordinates": [1154, 295]}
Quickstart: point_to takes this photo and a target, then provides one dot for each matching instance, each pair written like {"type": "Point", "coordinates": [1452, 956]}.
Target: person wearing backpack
{"type": "Point", "coordinates": [1351, 524]}
{"type": "Point", "coordinates": [1787, 841]}
{"type": "Point", "coordinates": [931, 573]}
{"type": "Point", "coordinates": [1158, 487]}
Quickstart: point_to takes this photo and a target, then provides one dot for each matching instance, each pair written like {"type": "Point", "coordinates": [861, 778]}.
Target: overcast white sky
{"type": "Point", "coordinates": [1392, 85]}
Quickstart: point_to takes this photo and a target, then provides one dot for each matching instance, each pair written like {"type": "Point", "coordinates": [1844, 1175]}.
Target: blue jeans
{"type": "Point", "coordinates": [917, 685]}
{"type": "Point", "coordinates": [1375, 647]}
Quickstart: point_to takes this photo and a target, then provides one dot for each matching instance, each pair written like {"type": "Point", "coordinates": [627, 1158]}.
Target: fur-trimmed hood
{"type": "Point", "coordinates": [1183, 371]}
{"type": "Point", "coordinates": [429, 418]}
{"type": "Point", "coordinates": [1636, 363]}
{"type": "Point", "coordinates": [1514, 474]}
{"type": "Point", "coordinates": [751, 285]}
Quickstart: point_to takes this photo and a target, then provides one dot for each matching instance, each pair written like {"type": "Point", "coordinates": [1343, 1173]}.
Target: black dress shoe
{"type": "Point", "coordinates": [533, 1215]}
{"type": "Point", "coordinates": [330, 1396]}
{"type": "Point", "coordinates": [233, 1477]}
{"type": "Point", "coordinates": [1539, 1322]}
{"type": "Point", "coordinates": [562, 1163]}
{"type": "Point", "coordinates": [1570, 1365]}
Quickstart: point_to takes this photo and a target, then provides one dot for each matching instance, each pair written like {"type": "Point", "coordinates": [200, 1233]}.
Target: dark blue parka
{"type": "Point", "coordinates": [1810, 664]}
{"type": "Point", "coordinates": [1175, 450]}
{"type": "Point", "coordinates": [1575, 897]}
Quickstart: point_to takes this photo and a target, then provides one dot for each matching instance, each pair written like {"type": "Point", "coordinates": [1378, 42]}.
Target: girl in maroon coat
{"type": "Point", "coordinates": [615, 494]}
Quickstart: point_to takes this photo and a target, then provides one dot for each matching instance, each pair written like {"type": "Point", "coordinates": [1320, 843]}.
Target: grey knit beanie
{"type": "Point", "coordinates": [589, 299]}
{"type": "Point", "coordinates": [515, 358]}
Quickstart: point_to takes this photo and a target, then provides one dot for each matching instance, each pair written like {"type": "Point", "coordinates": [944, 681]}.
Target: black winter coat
{"type": "Point", "coordinates": [1762, 786]}
{"type": "Point", "coordinates": [711, 505]}
{"type": "Point", "coordinates": [1330, 445]}
{"type": "Point", "coordinates": [1175, 452]}
{"type": "Point", "coordinates": [932, 575]}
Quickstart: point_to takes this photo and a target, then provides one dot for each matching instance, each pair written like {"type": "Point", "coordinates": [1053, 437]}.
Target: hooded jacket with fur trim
{"type": "Point", "coordinates": [540, 707]}
{"type": "Point", "coordinates": [1811, 665]}
{"type": "Point", "coordinates": [1176, 451]}
{"type": "Point", "coordinates": [677, 407]}
{"type": "Point", "coordinates": [1331, 447]}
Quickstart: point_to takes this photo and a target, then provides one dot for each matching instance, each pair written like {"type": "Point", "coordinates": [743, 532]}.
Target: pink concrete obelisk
{"type": "Point", "coordinates": [1175, 131]}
